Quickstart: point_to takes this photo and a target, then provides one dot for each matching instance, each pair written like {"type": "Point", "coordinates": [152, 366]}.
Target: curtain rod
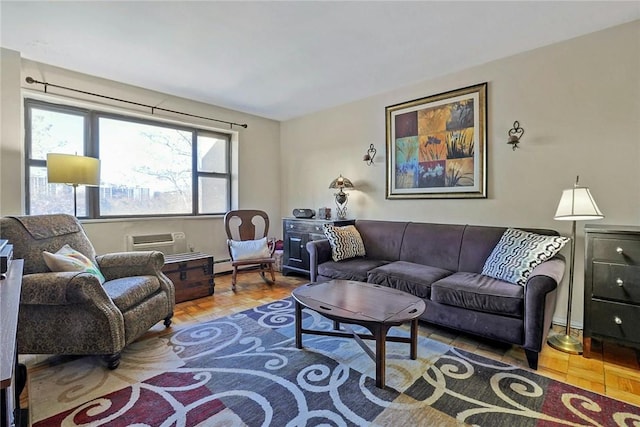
{"type": "Point", "coordinates": [31, 80]}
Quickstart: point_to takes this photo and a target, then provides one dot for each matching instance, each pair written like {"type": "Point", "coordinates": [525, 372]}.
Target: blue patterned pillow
{"type": "Point", "coordinates": [345, 242]}
{"type": "Point", "coordinates": [518, 252]}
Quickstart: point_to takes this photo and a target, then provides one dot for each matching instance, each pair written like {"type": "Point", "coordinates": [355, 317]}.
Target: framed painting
{"type": "Point", "coordinates": [436, 146]}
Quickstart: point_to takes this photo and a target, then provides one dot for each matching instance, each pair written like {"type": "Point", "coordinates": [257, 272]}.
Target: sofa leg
{"type": "Point", "coordinates": [532, 358]}
{"type": "Point", "coordinates": [113, 360]}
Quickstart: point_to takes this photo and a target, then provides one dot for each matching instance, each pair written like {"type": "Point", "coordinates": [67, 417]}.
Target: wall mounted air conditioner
{"type": "Point", "coordinates": [167, 243]}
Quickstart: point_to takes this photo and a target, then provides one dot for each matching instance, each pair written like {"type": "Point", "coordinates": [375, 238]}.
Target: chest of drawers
{"type": "Point", "coordinates": [297, 232]}
{"type": "Point", "coordinates": [612, 285]}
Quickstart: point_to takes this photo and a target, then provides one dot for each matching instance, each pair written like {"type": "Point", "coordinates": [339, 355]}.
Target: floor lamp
{"type": "Point", "coordinates": [73, 170]}
{"type": "Point", "coordinates": [576, 204]}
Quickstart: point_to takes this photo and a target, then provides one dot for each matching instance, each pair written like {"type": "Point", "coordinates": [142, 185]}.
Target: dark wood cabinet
{"type": "Point", "coordinates": [191, 274]}
{"type": "Point", "coordinates": [611, 285]}
{"type": "Point", "coordinates": [297, 232]}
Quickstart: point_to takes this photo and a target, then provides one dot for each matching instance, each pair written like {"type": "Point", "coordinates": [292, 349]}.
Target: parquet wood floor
{"type": "Point", "coordinates": [612, 370]}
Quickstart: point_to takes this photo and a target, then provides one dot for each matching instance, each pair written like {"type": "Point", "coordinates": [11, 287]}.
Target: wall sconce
{"type": "Point", "coordinates": [371, 153]}
{"type": "Point", "coordinates": [515, 133]}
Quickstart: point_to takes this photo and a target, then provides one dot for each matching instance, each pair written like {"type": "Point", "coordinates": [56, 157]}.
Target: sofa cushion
{"type": "Point", "coordinates": [415, 279]}
{"type": "Point", "coordinates": [437, 245]}
{"type": "Point", "coordinates": [382, 239]}
{"type": "Point", "coordinates": [518, 252]}
{"type": "Point", "coordinates": [479, 293]}
{"type": "Point", "coordinates": [352, 269]}
{"type": "Point", "coordinates": [129, 291]}
{"type": "Point", "coordinates": [345, 242]}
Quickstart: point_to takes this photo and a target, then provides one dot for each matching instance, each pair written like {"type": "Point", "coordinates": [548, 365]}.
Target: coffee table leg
{"type": "Point", "coordinates": [298, 325]}
{"type": "Point", "coordinates": [414, 339]}
{"type": "Point", "coordinates": [380, 334]}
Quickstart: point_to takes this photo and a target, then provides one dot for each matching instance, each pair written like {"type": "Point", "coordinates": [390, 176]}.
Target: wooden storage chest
{"type": "Point", "coordinates": [191, 274]}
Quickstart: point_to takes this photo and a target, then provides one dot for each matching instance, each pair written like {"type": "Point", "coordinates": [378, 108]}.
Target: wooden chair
{"type": "Point", "coordinates": [249, 225]}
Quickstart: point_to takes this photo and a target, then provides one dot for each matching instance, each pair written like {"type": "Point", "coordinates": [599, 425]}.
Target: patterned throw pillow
{"type": "Point", "coordinates": [249, 249]}
{"type": "Point", "coordinates": [68, 259]}
{"type": "Point", "coordinates": [518, 252]}
{"type": "Point", "coordinates": [345, 241]}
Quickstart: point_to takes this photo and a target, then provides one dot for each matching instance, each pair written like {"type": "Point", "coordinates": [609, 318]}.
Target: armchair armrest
{"type": "Point", "coordinates": [319, 252]}
{"type": "Point", "coordinates": [63, 288]}
{"type": "Point", "coordinates": [540, 301]}
{"type": "Point", "coordinates": [137, 263]}
{"type": "Point", "coordinates": [125, 264]}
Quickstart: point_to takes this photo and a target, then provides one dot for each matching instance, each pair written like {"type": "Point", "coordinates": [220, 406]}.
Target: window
{"type": "Point", "coordinates": [147, 168]}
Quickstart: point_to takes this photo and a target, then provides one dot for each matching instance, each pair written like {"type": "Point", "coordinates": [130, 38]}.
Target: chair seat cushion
{"type": "Point", "coordinates": [127, 292]}
{"type": "Point", "coordinates": [479, 293]}
{"type": "Point", "coordinates": [415, 279]}
{"type": "Point", "coordinates": [253, 261]}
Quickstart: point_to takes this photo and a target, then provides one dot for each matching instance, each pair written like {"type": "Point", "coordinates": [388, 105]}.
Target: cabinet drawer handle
{"type": "Point", "coordinates": [619, 282]}
{"type": "Point", "coordinates": [619, 250]}
{"type": "Point", "coordinates": [290, 225]}
{"type": "Point", "coordinates": [617, 320]}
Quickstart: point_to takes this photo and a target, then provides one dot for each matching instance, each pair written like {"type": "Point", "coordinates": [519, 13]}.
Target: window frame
{"type": "Point", "coordinates": [92, 113]}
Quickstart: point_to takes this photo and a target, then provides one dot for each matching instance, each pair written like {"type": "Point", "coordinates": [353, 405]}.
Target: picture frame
{"type": "Point", "coordinates": [437, 146]}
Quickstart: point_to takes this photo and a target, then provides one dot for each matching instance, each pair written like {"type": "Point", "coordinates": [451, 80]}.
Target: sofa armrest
{"type": "Point", "coordinates": [319, 252]}
{"type": "Point", "coordinates": [126, 264]}
{"type": "Point", "coordinates": [540, 301]}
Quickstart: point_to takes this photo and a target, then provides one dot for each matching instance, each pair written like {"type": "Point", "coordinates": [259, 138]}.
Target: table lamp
{"type": "Point", "coordinates": [341, 197]}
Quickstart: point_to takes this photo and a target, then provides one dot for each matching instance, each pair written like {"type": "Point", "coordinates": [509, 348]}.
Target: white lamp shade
{"type": "Point", "coordinates": [577, 204]}
{"type": "Point", "coordinates": [73, 170]}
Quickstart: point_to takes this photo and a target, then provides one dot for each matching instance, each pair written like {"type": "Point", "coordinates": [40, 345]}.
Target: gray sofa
{"type": "Point", "coordinates": [442, 264]}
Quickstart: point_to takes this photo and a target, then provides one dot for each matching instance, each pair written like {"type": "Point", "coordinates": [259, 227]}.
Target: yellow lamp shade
{"type": "Point", "coordinates": [73, 170]}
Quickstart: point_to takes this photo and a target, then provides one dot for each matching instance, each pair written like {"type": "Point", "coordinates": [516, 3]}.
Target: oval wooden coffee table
{"type": "Point", "coordinates": [377, 308]}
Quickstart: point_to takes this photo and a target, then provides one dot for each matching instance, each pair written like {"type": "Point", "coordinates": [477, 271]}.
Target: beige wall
{"type": "Point", "coordinates": [579, 103]}
{"type": "Point", "coordinates": [258, 160]}
{"type": "Point", "coordinates": [11, 148]}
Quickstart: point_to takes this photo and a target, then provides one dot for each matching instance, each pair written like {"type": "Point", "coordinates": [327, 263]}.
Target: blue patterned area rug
{"type": "Point", "coordinates": [244, 370]}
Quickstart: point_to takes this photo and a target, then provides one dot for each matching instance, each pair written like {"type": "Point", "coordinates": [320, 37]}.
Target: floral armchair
{"type": "Point", "coordinates": [72, 312]}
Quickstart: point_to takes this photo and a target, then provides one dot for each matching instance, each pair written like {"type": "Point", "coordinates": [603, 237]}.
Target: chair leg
{"type": "Point", "coordinates": [113, 360]}
{"type": "Point", "coordinates": [273, 275]}
{"type": "Point", "coordinates": [234, 275]}
{"type": "Point", "coordinates": [167, 320]}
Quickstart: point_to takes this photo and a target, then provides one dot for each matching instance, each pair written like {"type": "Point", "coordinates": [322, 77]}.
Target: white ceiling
{"type": "Point", "coordinates": [286, 59]}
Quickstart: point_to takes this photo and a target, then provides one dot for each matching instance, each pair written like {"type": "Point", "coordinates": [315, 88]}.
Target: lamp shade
{"type": "Point", "coordinates": [341, 182]}
{"type": "Point", "coordinates": [577, 204]}
{"type": "Point", "coordinates": [73, 170]}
